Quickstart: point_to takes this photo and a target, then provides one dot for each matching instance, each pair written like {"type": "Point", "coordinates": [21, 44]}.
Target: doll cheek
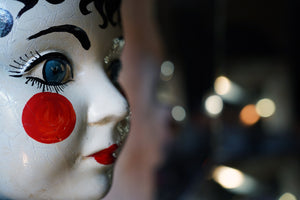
{"type": "Point", "coordinates": [48, 117]}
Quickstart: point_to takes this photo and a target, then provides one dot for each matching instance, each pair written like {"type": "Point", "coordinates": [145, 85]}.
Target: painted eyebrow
{"type": "Point", "coordinates": [79, 33]}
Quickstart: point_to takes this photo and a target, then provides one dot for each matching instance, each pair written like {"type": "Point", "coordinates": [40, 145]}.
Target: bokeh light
{"type": "Point", "coordinates": [178, 113]}
{"type": "Point", "coordinates": [265, 107]}
{"type": "Point", "coordinates": [288, 196]}
{"type": "Point", "coordinates": [228, 177]}
{"type": "Point", "coordinates": [167, 70]}
{"type": "Point", "coordinates": [214, 105]}
{"type": "Point", "coordinates": [248, 115]}
{"type": "Point", "coordinates": [222, 85]}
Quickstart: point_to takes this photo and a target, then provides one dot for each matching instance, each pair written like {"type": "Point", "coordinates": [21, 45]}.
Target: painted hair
{"type": "Point", "coordinates": [106, 8]}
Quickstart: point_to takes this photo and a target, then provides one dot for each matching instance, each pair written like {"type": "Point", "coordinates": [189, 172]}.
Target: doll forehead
{"type": "Point", "coordinates": [106, 8]}
{"type": "Point", "coordinates": [109, 11]}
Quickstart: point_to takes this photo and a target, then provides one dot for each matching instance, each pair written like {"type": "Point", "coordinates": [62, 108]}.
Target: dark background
{"type": "Point", "coordinates": [255, 44]}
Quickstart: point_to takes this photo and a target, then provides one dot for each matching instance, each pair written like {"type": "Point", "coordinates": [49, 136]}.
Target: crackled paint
{"type": "Point", "coordinates": [58, 132]}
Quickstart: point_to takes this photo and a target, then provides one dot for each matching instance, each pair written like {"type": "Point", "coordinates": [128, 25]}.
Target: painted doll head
{"type": "Point", "coordinates": [62, 116]}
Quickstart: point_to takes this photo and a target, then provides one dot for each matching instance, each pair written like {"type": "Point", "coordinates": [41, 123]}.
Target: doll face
{"type": "Point", "coordinates": [62, 120]}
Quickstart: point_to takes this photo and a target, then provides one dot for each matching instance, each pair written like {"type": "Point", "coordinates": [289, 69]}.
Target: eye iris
{"type": "Point", "coordinates": [55, 70]}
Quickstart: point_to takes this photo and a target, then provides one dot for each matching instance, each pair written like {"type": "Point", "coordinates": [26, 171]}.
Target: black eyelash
{"type": "Point", "coordinates": [23, 65]}
{"type": "Point", "coordinates": [41, 84]}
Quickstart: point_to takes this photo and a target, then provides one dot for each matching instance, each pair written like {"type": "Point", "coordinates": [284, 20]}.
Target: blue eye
{"type": "Point", "coordinates": [50, 72]}
{"type": "Point", "coordinates": [55, 70]}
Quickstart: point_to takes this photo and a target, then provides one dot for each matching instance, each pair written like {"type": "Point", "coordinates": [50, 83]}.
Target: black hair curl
{"type": "Point", "coordinates": [106, 8]}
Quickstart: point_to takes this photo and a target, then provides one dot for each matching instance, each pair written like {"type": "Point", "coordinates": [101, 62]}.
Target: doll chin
{"type": "Point", "coordinates": [92, 187]}
{"type": "Point", "coordinates": [87, 188]}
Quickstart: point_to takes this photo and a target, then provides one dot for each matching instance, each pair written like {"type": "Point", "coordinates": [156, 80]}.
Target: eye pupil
{"type": "Point", "coordinates": [55, 70]}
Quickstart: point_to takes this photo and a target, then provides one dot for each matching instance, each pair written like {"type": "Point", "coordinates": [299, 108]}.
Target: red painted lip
{"type": "Point", "coordinates": [105, 156]}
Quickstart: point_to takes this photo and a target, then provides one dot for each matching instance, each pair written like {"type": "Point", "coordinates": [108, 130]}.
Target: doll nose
{"type": "Point", "coordinates": [105, 102]}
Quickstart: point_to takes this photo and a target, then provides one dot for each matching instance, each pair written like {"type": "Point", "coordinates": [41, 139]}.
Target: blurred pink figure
{"type": "Point", "coordinates": [142, 56]}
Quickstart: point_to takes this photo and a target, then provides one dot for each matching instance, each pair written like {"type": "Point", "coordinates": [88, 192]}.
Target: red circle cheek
{"type": "Point", "coordinates": [48, 117]}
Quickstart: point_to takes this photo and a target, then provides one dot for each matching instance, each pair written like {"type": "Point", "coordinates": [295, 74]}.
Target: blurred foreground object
{"type": "Point", "coordinates": [142, 58]}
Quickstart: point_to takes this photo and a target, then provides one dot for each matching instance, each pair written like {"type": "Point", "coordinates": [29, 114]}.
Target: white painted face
{"type": "Point", "coordinates": [59, 110]}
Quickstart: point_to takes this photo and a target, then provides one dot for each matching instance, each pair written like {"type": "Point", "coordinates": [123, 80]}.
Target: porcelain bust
{"type": "Point", "coordinates": [62, 115]}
